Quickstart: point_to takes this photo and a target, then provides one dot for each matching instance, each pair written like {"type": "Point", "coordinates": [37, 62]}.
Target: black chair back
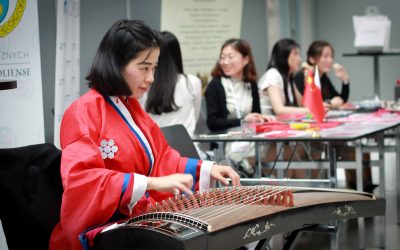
{"type": "Point", "coordinates": [31, 193]}
{"type": "Point", "coordinates": [179, 139]}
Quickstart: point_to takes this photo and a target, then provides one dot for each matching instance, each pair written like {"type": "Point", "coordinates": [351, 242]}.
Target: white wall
{"type": "Point", "coordinates": [334, 24]}
{"type": "Point", "coordinates": [97, 16]}
{"type": "Point", "coordinates": [47, 36]}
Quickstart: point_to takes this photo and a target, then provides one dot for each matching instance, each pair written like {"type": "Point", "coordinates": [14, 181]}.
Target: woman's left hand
{"type": "Point", "coordinates": [336, 102]}
{"type": "Point", "coordinates": [220, 172]}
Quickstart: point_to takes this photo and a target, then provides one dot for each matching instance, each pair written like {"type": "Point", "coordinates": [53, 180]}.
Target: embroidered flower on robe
{"type": "Point", "coordinates": [108, 149]}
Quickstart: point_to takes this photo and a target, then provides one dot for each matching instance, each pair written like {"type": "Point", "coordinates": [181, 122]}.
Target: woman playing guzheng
{"type": "Point", "coordinates": [115, 159]}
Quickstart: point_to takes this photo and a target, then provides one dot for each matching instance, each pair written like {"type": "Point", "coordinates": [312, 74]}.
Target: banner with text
{"type": "Point", "coordinates": [21, 109]}
{"type": "Point", "coordinates": [67, 60]}
{"type": "Point", "coordinates": [201, 27]}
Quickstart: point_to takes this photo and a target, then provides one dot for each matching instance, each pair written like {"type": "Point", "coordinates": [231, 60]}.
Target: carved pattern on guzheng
{"type": "Point", "coordinates": [202, 208]}
{"type": "Point", "coordinates": [344, 211]}
{"type": "Point", "coordinates": [257, 230]}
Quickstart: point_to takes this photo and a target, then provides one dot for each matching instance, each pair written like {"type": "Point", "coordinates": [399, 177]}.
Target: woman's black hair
{"type": "Point", "coordinates": [316, 48]}
{"type": "Point", "coordinates": [279, 60]}
{"type": "Point", "coordinates": [315, 52]}
{"type": "Point", "coordinates": [161, 94]}
{"type": "Point", "coordinates": [122, 43]}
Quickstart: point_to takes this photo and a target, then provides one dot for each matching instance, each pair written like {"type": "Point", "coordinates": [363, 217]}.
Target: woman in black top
{"type": "Point", "coordinates": [232, 94]}
{"type": "Point", "coordinates": [321, 54]}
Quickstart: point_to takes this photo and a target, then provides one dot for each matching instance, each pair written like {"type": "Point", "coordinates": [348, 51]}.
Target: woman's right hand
{"type": "Point", "coordinates": [174, 183]}
{"type": "Point", "coordinates": [327, 106]}
{"type": "Point", "coordinates": [340, 72]}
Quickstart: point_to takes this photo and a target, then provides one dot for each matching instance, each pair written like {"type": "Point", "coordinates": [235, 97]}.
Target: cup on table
{"type": "Point", "coordinates": [248, 127]}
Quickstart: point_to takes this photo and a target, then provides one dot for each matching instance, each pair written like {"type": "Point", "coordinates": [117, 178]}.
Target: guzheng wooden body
{"type": "Point", "coordinates": [232, 217]}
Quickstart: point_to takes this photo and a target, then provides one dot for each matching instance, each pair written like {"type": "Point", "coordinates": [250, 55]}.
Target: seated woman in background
{"type": "Point", "coordinates": [278, 93]}
{"type": "Point", "coordinates": [232, 94]}
{"type": "Point", "coordinates": [321, 54]}
{"type": "Point", "coordinates": [174, 97]}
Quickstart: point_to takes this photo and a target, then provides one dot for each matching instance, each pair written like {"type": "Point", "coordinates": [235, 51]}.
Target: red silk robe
{"type": "Point", "coordinates": [105, 158]}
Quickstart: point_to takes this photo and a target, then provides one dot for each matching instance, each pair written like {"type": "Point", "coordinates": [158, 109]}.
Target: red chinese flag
{"type": "Point", "coordinates": [312, 98]}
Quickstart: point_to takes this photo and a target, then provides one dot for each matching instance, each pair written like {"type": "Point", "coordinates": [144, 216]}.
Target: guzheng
{"type": "Point", "coordinates": [228, 218]}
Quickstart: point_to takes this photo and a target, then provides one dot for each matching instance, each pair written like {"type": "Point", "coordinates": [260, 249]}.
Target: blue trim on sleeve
{"type": "Point", "coordinates": [84, 240]}
{"type": "Point", "coordinates": [191, 167]}
{"type": "Point", "coordinates": [118, 216]}
{"type": "Point", "coordinates": [127, 178]}
{"type": "Point", "coordinates": [115, 217]}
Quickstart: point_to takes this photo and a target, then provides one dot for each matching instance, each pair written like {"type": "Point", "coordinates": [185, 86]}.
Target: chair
{"type": "Point", "coordinates": [31, 192]}
{"type": "Point", "coordinates": [179, 139]}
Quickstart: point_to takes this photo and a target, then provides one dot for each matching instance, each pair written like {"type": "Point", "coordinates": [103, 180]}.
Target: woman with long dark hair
{"type": "Point", "coordinates": [174, 97]}
{"type": "Point", "coordinates": [279, 94]}
{"type": "Point", "coordinates": [321, 54]}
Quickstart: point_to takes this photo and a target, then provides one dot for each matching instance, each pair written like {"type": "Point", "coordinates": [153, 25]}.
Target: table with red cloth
{"type": "Point", "coordinates": [352, 128]}
{"type": "Point", "coordinates": [299, 128]}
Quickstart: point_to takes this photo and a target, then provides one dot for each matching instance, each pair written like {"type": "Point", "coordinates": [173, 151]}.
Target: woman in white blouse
{"type": "Point", "coordinates": [174, 97]}
{"type": "Point", "coordinates": [278, 93]}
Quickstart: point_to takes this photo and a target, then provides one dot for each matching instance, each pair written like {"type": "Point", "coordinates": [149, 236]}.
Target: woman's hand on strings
{"type": "Point", "coordinates": [174, 183]}
{"type": "Point", "coordinates": [221, 172]}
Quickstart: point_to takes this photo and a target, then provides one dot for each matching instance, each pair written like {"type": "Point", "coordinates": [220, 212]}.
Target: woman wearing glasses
{"type": "Point", "coordinates": [232, 94]}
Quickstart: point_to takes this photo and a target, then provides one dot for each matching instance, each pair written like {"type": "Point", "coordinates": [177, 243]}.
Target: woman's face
{"type": "Point", "coordinates": [294, 60]}
{"type": "Point", "coordinates": [232, 62]}
{"type": "Point", "coordinates": [325, 61]}
{"type": "Point", "coordinates": [139, 72]}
